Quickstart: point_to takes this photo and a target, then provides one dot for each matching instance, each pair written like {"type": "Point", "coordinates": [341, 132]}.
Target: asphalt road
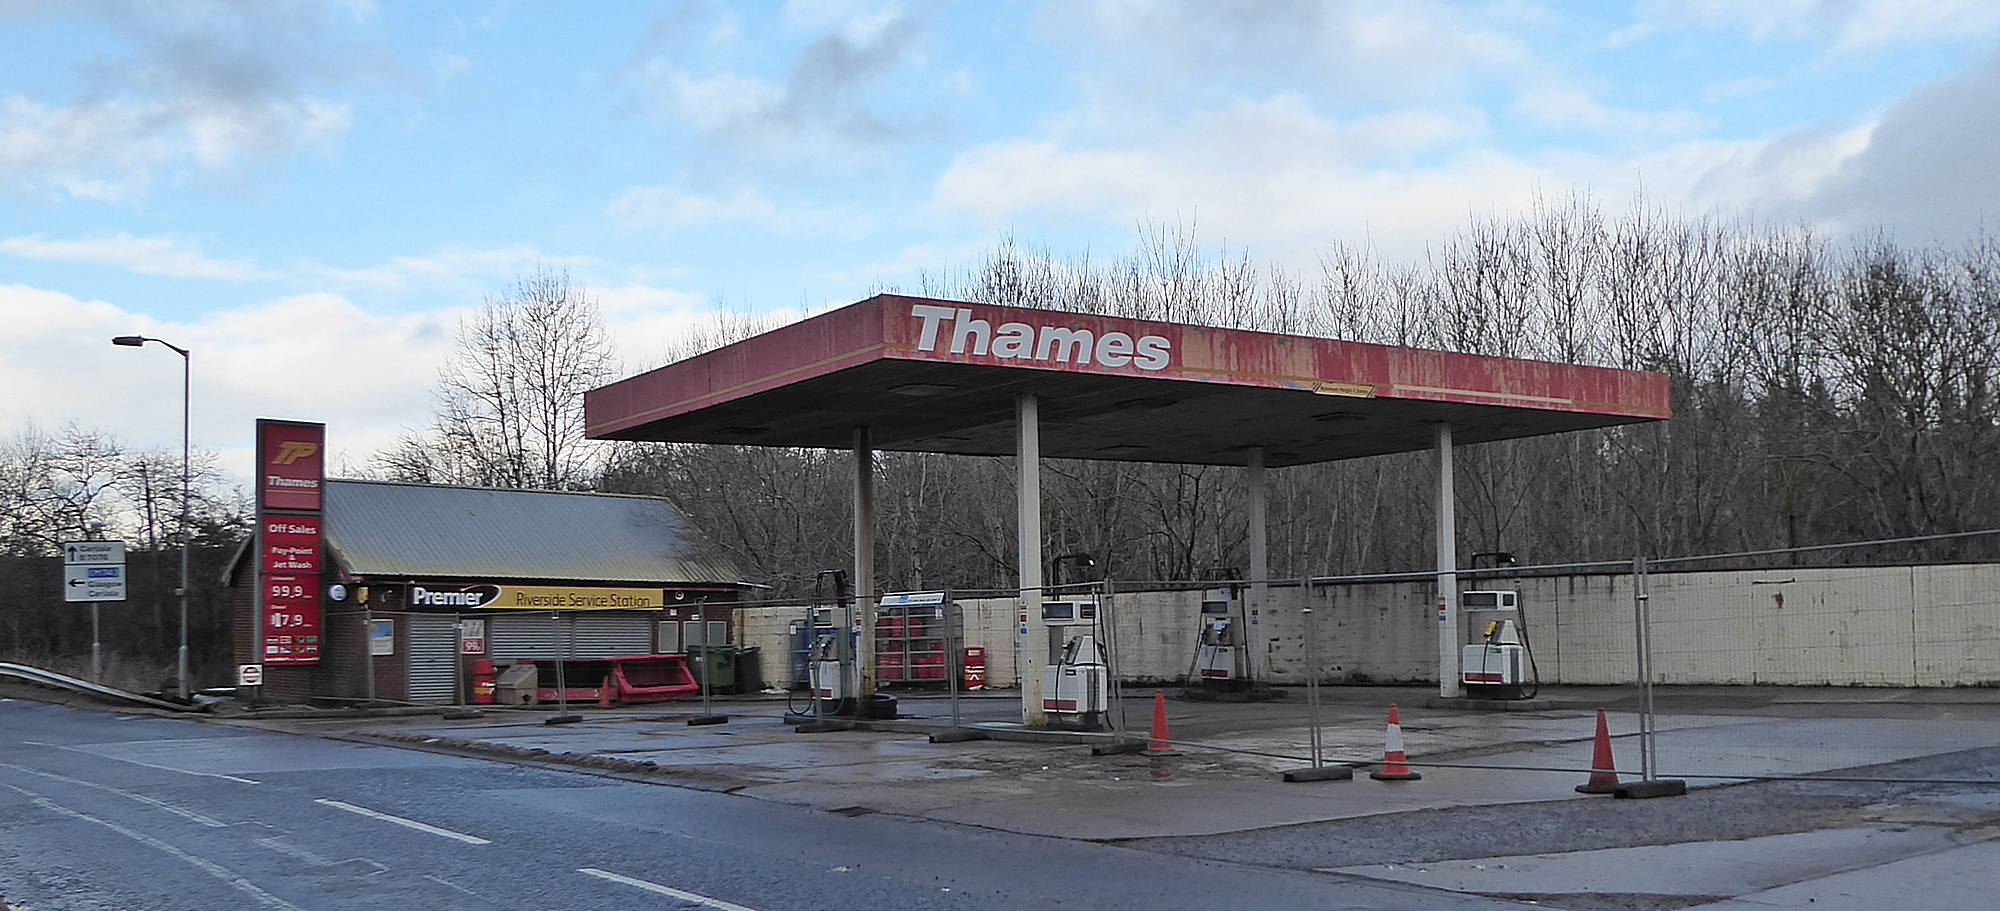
{"type": "Point", "coordinates": [104, 811]}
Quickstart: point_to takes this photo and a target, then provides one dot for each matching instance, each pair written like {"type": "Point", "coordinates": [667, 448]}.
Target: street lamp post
{"type": "Point", "coordinates": [187, 534]}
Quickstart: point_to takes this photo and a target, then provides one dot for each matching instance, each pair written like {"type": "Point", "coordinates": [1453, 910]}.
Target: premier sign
{"type": "Point", "coordinates": [537, 597]}
{"type": "Point", "coordinates": [962, 333]}
{"type": "Point", "coordinates": [291, 464]}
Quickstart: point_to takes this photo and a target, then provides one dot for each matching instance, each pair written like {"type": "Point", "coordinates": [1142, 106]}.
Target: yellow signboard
{"type": "Point", "coordinates": [556, 597]}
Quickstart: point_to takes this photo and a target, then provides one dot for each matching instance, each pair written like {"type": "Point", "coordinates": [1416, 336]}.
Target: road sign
{"type": "Point", "coordinates": [249, 675]}
{"type": "Point", "coordinates": [93, 571]}
{"type": "Point", "coordinates": [99, 552]}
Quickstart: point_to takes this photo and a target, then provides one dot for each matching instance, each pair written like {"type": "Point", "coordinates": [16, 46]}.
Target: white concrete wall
{"type": "Point", "coordinates": [1873, 626]}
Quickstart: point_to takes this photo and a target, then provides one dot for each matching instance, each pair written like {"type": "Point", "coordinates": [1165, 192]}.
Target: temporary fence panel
{"type": "Point", "coordinates": [432, 649]}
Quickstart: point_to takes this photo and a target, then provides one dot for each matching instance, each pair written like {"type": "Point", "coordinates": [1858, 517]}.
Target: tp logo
{"type": "Point", "coordinates": [292, 451]}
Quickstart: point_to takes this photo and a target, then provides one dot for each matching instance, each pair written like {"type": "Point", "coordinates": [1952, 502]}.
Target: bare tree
{"type": "Point", "coordinates": [509, 409]}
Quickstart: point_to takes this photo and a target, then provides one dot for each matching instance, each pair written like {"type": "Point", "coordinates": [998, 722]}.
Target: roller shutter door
{"type": "Point", "coordinates": [522, 636]}
{"type": "Point", "coordinates": [595, 634]}
{"type": "Point", "coordinates": [432, 646]}
{"type": "Point", "coordinates": [605, 634]}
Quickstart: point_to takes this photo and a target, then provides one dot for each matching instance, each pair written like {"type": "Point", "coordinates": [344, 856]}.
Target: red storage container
{"type": "Point", "coordinates": [975, 667]}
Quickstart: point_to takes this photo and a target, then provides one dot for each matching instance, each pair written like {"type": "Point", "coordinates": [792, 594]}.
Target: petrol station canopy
{"type": "Point", "coordinates": [928, 375]}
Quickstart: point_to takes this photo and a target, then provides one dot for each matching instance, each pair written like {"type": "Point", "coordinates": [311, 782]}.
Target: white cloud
{"type": "Point", "coordinates": [1844, 25]}
{"type": "Point", "coordinates": [201, 87]}
{"type": "Point", "coordinates": [650, 324]}
{"type": "Point", "coordinates": [160, 256]}
{"type": "Point", "coordinates": [1925, 167]}
{"type": "Point", "coordinates": [934, 260]}
{"type": "Point", "coordinates": [103, 152]}
{"type": "Point", "coordinates": [314, 356]}
{"type": "Point", "coordinates": [1176, 51]}
{"type": "Point", "coordinates": [1286, 197]}
{"type": "Point", "coordinates": [822, 106]}
{"type": "Point", "coordinates": [311, 357]}
{"type": "Point", "coordinates": [455, 268]}
{"type": "Point", "coordinates": [1271, 172]}
{"type": "Point", "coordinates": [671, 209]}
{"type": "Point", "coordinates": [668, 207]}
{"type": "Point", "coordinates": [1567, 107]}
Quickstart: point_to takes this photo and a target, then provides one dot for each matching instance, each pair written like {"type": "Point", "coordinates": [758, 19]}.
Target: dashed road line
{"type": "Point", "coordinates": [702, 900]}
{"type": "Point", "coordinates": [189, 815]}
{"type": "Point", "coordinates": [406, 823]}
{"type": "Point", "coordinates": [206, 866]}
{"type": "Point", "coordinates": [163, 768]}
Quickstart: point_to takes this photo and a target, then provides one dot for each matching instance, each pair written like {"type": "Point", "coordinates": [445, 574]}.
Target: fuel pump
{"type": "Point", "coordinates": [1076, 685]}
{"type": "Point", "coordinates": [1500, 661]}
{"type": "Point", "coordinates": [1219, 656]}
{"type": "Point", "coordinates": [1221, 669]}
{"type": "Point", "coordinates": [1500, 665]}
{"type": "Point", "coordinates": [832, 657]}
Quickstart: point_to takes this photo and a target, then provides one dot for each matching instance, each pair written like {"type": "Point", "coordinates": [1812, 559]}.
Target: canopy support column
{"type": "Point", "coordinates": [1260, 560]}
{"type": "Point", "coordinates": [864, 559]}
{"type": "Point", "coordinates": [1449, 685]}
{"type": "Point", "coordinates": [1030, 656]}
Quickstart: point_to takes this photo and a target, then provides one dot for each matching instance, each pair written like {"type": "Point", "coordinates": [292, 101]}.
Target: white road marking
{"type": "Point", "coordinates": [478, 895]}
{"type": "Point", "coordinates": [189, 815]}
{"type": "Point", "coordinates": [702, 900]}
{"type": "Point", "coordinates": [163, 768]}
{"type": "Point", "coordinates": [211, 868]}
{"type": "Point", "coordinates": [406, 823]}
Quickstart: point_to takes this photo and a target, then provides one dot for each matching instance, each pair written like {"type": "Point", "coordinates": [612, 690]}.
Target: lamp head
{"type": "Point", "coordinates": [129, 341]}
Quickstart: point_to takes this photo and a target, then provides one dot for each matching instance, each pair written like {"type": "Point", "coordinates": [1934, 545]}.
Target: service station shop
{"type": "Point", "coordinates": [399, 592]}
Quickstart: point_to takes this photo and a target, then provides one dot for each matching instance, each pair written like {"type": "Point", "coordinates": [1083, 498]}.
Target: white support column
{"type": "Point", "coordinates": [1031, 651]}
{"type": "Point", "coordinates": [1260, 560]}
{"type": "Point", "coordinates": [864, 559]}
{"type": "Point", "coordinates": [1449, 685]}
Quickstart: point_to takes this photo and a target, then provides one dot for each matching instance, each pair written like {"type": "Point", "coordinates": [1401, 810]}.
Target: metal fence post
{"type": "Point", "coordinates": [1312, 677]}
{"type": "Point", "coordinates": [1109, 621]}
{"type": "Point", "coordinates": [954, 663]}
{"type": "Point", "coordinates": [1639, 657]}
{"type": "Point", "coordinates": [96, 645]}
{"type": "Point", "coordinates": [368, 649]}
{"type": "Point", "coordinates": [562, 675]}
{"type": "Point", "coordinates": [1643, 585]}
{"type": "Point", "coordinates": [1319, 770]}
{"type": "Point", "coordinates": [458, 659]}
{"type": "Point", "coordinates": [812, 659]}
{"type": "Point", "coordinates": [1650, 784]}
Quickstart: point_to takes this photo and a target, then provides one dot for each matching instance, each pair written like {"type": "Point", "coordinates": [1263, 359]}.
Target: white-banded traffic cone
{"type": "Point", "coordinates": [1395, 766]}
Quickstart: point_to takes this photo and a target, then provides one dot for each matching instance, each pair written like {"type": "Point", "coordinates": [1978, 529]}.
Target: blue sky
{"type": "Point", "coordinates": [309, 193]}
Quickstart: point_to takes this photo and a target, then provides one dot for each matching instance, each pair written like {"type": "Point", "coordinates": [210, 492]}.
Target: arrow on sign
{"type": "Point", "coordinates": [72, 553]}
{"type": "Point", "coordinates": [75, 582]}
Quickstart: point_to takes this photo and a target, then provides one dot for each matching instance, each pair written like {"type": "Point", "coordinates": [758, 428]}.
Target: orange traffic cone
{"type": "Point", "coordinates": [1394, 764]}
{"type": "Point", "coordinates": [604, 693]}
{"type": "Point", "coordinates": [1603, 772]}
{"type": "Point", "coordinates": [1159, 745]}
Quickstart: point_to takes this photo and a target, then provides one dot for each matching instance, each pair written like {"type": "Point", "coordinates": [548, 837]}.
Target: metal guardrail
{"type": "Point", "coordinates": [64, 681]}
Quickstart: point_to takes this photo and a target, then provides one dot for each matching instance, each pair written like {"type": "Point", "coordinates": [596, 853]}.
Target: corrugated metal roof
{"type": "Point", "coordinates": [416, 530]}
